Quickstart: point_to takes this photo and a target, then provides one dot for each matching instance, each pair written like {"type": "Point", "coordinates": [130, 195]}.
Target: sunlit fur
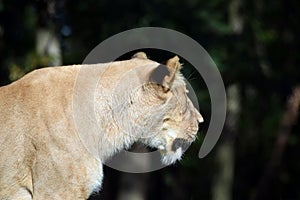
{"type": "Point", "coordinates": [43, 155]}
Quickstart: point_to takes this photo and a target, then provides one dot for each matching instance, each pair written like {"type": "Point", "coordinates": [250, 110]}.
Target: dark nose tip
{"type": "Point", "coordinates": [180, 142]}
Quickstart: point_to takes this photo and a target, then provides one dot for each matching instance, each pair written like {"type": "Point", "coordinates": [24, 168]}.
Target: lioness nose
{"type": "Point", "coordinates": [180, 142]}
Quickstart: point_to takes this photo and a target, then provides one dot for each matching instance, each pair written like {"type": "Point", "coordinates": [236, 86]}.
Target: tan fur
{"type": "Point", "coordinates": [42, 153]}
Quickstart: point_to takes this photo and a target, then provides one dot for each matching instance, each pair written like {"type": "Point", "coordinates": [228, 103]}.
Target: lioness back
{"type": "Point", "coordinates": [39, 154]}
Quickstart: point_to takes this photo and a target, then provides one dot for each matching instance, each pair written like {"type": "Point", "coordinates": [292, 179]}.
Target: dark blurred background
{"type": "Point", "coordinates": [255, 45]}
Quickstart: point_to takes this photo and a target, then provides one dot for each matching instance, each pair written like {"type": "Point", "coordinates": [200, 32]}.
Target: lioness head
{"type": "Point", "coordinates": [176, 119]}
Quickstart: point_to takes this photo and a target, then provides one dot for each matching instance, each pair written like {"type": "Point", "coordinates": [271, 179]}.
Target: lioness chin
{"type": "Point", "coordinates": [48, 149]}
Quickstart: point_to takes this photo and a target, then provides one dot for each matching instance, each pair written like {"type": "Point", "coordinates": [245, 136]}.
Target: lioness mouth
{"type": "Point", "coordinates": [180, 143]}
{"type": "Point", "coordinates": [161, 147]}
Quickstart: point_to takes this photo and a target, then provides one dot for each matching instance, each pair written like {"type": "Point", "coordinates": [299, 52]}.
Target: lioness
{"type": "Point", "coordinates": [48, 149]}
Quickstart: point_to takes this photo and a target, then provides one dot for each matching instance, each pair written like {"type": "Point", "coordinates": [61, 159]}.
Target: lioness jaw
{"type": "Point", "coordinates": [59, 124]}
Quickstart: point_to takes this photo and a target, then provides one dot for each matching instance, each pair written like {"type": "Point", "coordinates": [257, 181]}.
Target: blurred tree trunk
{"type": "Point", "coordinates": [223, 181]}
{"type": "Point", "coordinates": [289, 117]}
{"type": "Point", "coordinates": [222, 185]}
{"type": "Point", "coordinates": [134, 186]}
{"type": "Point", "coordinates": [47, 45]}
{"type": "Point", "coordinates": [47, 42]}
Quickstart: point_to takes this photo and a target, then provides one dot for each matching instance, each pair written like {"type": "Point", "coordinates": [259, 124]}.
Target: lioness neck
{"type": "Point", "coordinates": [111, 115]}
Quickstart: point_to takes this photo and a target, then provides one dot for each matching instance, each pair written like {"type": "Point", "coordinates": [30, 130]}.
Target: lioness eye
{"type": "Point", "coordinates": [166, 119]}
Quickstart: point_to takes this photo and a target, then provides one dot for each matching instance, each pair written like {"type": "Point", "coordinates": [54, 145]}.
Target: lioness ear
{"type": "Point", "coordinates": [173, 66]}
{"type": "Point", "coordinates": [141, 55]}
{"type": "Point", "coordinates": [166, 75]}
